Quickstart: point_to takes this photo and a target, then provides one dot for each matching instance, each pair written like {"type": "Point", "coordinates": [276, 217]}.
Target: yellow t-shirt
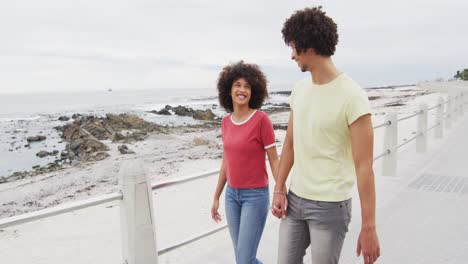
{"type": "Point", "coordinates": [323, 167]}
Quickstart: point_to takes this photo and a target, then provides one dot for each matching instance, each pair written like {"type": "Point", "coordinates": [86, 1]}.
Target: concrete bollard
{"type": "Point", "coordinates": [389, 161]}
{"type": "Point", "coordinates": [421, 140]}
{"type": "Point", "coordinates": [137, 217]}
{"type": "Point", "coordinates": [439, 130]}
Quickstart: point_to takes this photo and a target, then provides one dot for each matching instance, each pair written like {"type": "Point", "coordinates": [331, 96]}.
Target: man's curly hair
{"type": "Point", "coordinates": [311, 28]}
{"type": "Point", "coordinates": [254, 77]}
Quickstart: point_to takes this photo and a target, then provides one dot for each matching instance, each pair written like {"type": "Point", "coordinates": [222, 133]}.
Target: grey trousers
{"type": "Point", "coordinates": [322, 225]}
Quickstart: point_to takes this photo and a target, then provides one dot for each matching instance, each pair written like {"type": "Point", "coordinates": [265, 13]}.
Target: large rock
{"type": "Point", "coordinates": [125, 150]}
{"type": "Point", "coordinates": [63, 118]}
{"type": "Point", "coordinates": [109, 127]}
{"type": "Point", "coordinates": [42, 154]}
{"type": "Point", "coordinates": [85, 133]}
{"type": "Point", "coordinates": [204, 115]}
{"type": "Point", "coordinates": [126, 122]}
{"type": "Point", "coordinates": [183, 111]}
{"type": "Point", "coordinates": [71, 131]}
{"type": "Point", "coordinates": [76, 116]}
{"type": "Point", "coordinates": [196, 114]}
{"type": "Point", "coordinates": [85, 149]}
{"type": "Point", "coordinates": [163, 111]}
{"type": "Point", "coordinates": [98, 129]}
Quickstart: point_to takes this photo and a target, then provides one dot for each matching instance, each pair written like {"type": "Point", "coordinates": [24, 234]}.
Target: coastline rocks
{"type": "Point", "coordinates": [84, 135]}
{"type": "Point", "coordinates": [76, 116]}
{"type": "Point", "coordinates": [163, 111]}
{"type": "Point", "coordinates": [63, 118]}
{"type": "Point", "coordinates": [108, 128]}
{"type": "Point", "coordinates": [36, 138]}
{"type": "Point", "coordinates": [97, 129]}
{"type": "Point", "coordinates": [205, 115]}
{"type": "Point", "coordinates": [87, 149]}
{"type": "Point", "coordinates": [123, 149]}
{"type": "Point", "coordinates": [43, 153]}
{"type": "Point", "coordinates": [277, 108]}
{"type": "Point", "coordinates": [183, 110]}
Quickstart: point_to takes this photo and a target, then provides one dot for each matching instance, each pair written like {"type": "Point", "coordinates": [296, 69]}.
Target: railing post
{"type": "Point", "coordinates": [459, 104]}
{"type": "Point", "coordinates": [455, 105]}
{"type": "Point", "coordinates": [462, 103]}
{"type": "Point", "coordinates": [421, 139]}
{"type": "Point", "coordinates": [389, 162]}
{"type": "Point", "coordinates": [448, 112]}
{"type": "Point", "coordinates": [439, 130]}
{"type": "Point", "coordinates": [137, 218]}
{"type": "Point", "coordinates": [465, 106]}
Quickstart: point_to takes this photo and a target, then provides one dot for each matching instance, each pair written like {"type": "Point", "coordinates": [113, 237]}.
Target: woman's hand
{"type": "Point", "coordinates": [280, 204]}
{"type": "Point", "coordinates": [214, 211]}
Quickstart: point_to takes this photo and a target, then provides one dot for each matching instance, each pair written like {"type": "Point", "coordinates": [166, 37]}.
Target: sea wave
{"type": "Point", "coordinates": [28, 118]}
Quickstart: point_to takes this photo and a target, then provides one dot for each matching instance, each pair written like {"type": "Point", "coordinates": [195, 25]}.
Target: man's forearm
{"type": "Point", "coordinates": [285, 165]}
{"type": "Point", "coordinates": [366, 189]}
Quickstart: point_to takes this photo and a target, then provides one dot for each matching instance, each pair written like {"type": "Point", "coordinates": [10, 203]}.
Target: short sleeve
{"type": "Point", "coordinates": [267, 133]}
{"type": "Point", "coordinates": [357, 106]}
{"type": "Point", "coordinates": [223, 126]}
{"type": "Point", "coordinates": [291, 99]}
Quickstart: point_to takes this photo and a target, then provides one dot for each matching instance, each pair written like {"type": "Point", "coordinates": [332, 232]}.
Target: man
{"type": "Point", "coordinates": [330, 143]}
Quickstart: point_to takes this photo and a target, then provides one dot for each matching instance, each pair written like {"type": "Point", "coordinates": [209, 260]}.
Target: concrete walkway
{"type": "Point", "coordinates": [422, 214]}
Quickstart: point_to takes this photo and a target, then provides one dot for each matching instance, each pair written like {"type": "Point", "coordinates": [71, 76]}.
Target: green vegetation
{"type": "Point", "coordinates": [462, 75]}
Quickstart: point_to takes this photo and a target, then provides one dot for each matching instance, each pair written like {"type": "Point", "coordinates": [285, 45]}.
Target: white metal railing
{"type": "Point", "coordinates": [137, 218]}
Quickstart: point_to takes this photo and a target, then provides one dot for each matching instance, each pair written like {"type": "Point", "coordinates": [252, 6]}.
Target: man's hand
{"type": "Point", "coordinates": [368, 245]}
{"type": "Point", "coordinates": [280, 204]}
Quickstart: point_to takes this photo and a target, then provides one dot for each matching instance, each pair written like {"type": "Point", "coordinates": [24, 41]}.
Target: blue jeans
{"type": "Point", "coordinates": [246, 213]}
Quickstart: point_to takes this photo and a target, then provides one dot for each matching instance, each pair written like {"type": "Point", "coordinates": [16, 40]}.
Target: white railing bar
{"type": "Point", "coordinates": [166, 183]}
{"type": "Point", "coordinates": [410, 116]}
{"type": "Point", "coordinates": [383, 125]}
{"type": "Point", "coordinates": [446, 102]}
{"type": "Point", "coordinates": [409, 140]}
{"type": "Point", "coordinates": [60, 209]}
{"type": "Point", "coordinates": [434, 107]}
{"type": "Point", "coordinates": [383, 154]}
{"type": "Point", "coordinates": [434, 126]}
{"type": "Point", "coordinates": [192, 239]}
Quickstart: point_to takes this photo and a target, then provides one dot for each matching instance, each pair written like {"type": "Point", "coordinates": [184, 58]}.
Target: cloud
{"type": "Point", "coordinates": [61, 45]}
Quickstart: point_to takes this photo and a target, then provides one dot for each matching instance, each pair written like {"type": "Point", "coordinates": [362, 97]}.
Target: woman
{"type": "Point", "coordinates": [247, 135]}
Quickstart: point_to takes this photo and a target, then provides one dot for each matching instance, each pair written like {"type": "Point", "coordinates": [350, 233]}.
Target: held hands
{"type": "Point", "coordinates": [368, 245]}
{"type": "Point", "coordinates": [214, 211]}
{"type": "Point", "coordinates": [280, 203]}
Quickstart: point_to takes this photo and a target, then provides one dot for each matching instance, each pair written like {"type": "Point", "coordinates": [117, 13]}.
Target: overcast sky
{"type": "Point", "coordinates": [65, 45]}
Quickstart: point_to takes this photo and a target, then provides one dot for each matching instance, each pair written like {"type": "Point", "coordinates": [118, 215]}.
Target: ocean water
{"type": "Point", "coordinates": [27, 115]}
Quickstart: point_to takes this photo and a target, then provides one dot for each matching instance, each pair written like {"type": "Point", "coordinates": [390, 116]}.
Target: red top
{"type": "Point", "coordinates": [245, 147]}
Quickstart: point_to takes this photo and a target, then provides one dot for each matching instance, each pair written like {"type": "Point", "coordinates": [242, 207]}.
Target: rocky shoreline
{"type": "Point", "coordinates": [87, 136]}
